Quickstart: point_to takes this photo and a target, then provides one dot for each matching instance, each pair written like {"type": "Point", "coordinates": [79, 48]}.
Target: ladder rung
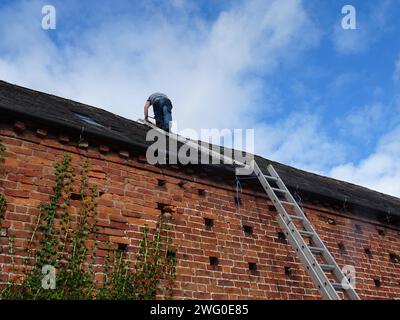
{"type": "Point", "coordinates": [316, 250]}
{"type": "Point", "coordinates": [306, 233]}
{"type": "Point", "coordinates": [270, 177]}
{"type": "Point", "coordinates": [338, 286]}
{"type": "Point", "coordinates": [279, 190]}
{"type": "Point", "coordinates": [296, 217]}
{"type": "Point", "coordinates": [288, 203]}
{"type": "Point", "coordinates": [327, 267]}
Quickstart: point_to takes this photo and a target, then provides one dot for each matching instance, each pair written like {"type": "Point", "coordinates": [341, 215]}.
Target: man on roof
{"type": "Point", "coordinates": [162, 108]}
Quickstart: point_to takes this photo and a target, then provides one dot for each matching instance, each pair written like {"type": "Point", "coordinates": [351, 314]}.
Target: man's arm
{"type": "Point", "coordinates": [146, 110]}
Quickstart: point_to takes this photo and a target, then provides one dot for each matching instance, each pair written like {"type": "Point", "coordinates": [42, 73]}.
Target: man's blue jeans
{"type": "Point", "coordinates": [163, 115]}
{"type": "Point", "coordinates": [167, 119]}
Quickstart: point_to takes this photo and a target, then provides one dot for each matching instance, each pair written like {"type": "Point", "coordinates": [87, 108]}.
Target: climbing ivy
{"type": "Point", "coordinates": [2, 149]}
{"type": "Point", "coordinates": [69, 243]}
{"type": "Point", "coordinates": [154, 261]}
{"type": "Point", "coordinates": [153, 266]}
{"type": "Point", "coordinates": [3, 202]}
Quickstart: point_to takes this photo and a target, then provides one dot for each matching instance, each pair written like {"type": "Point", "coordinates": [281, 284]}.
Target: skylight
{"type": "Point", "coordinates": [87, 119]}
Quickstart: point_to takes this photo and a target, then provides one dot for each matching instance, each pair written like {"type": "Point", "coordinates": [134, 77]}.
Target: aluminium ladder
{"type": "Point", "coordinates": [287, 221]}
{"type": "Point", "coordinates": [306, 253]}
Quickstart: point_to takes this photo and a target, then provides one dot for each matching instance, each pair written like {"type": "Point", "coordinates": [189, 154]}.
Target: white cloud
{"type": "Point", "coordinates": [364, 122]}
{"type": "Point", "coordinates": [380, 170]}
{"type": "Point", "coordinates": [343, 81]}
{"type": "Point", "coordinates": [299, 140]}
{"type": "Point", "coordinates": [350, 41]}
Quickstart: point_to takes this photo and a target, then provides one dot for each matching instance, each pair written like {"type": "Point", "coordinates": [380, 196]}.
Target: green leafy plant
{"type": "Point", "coordinates": [153, 266]}
{"type": "Point", "coordinates": [2, 149]}
{"type": "Point", "coordinates": [69, 243]}
{"type": "Point", "coordinates": [154, 261]}
{"type": "Point", "coordinates": [3, 204]}
{"type": "Point", "coordinates": [3, 201]}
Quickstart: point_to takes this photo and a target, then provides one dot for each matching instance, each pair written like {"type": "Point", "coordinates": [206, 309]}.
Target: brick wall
{"type": "Point", "coordinates": [130, 198]}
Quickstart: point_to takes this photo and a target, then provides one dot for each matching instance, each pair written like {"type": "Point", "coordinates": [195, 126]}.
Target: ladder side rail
{"type": "Point", "coordinates": [330, 260]}
{"type": "Point", "coordinates": [324, 287]}
{"type": "Point", "coordinates": [337, 271]}
{"type": "Point", "coordinates": [287, 194]}
{"type": "Point", "coordinates": [296, 240]}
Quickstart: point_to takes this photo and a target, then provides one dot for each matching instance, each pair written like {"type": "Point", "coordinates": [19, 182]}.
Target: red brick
{"type": "Point", "coordinates": [132, 214]}
{"type": "Point", "coordinates": [17, 193]}
{"type": "Point", "coordinates": [118, 218]}
{"type": "Point", "coordinates": [118, 225]}
{"type": "Point", "coordinates": [119, 240]}
{"type": "Point", "coordinates": [112, 232]}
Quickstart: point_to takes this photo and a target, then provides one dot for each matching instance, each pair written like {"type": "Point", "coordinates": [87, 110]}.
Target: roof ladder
{"type": "Point", "coordinates": [296, 235]}
{"type": "Point", "coordinates": [308, 255]}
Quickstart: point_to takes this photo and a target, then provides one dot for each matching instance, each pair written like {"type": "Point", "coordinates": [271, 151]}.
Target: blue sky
{"type": "Point", "coordinates": [319, 97]}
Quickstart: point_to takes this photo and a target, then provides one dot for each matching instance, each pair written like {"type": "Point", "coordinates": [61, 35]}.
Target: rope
{"type": "Point", "coordinates": [388, 216]}
{"type": "Point", "coordinates": [238, 192]}
{"type": "Point", "coordinates": [344, 204]}
{"type": "Point", "coordinates": [299, 200]}
{"type": "Point", "coordinates": [80, 136]}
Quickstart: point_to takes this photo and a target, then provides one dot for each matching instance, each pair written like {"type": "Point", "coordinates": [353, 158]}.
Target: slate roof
{"type": "Point", "coordinates": [62, 113]}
